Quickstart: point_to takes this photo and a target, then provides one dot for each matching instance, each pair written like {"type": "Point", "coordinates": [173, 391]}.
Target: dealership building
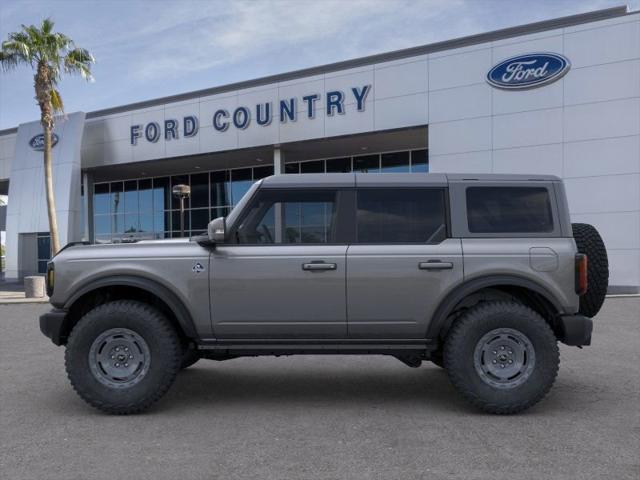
{"type": "Point", "coordinates": [557, 97]}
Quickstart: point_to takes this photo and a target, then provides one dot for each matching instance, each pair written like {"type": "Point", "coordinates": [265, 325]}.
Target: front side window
{"type": "Point", "coordinates": [509, 210]}
{"type": "Point", "coordinates": [289, 217]}
{"type": "Point", "coordinates": [410, 215]}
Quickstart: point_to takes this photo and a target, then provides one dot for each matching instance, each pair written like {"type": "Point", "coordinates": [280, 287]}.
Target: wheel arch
{"type": "Point", "coordinates": [132, 287]}
{"type": "Point", "coordinates": [529, 292]}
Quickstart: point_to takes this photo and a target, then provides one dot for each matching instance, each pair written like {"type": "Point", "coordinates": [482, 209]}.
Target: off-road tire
{"type": "Point", "coordinates": [589, 242]}
{"type": "Point", "coordinates": [158, 334]}
{"type": "Point", "coordinates": [189, 356]}
{"type": "Point", "coordinates": [469, 330]}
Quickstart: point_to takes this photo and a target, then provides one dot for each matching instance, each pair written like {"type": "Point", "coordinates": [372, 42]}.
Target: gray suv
{"type": "Point", "coordinates": [480, 274]}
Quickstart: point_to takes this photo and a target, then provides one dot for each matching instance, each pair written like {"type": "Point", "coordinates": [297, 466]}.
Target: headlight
{"type": "Point", "coordinates": [50, 278]}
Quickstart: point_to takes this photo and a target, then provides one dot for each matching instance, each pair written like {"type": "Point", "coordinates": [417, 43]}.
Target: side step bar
{"type": "Point", "coordinates": [317, 347]}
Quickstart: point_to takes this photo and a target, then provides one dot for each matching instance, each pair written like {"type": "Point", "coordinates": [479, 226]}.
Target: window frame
{"type": "Point", "coordinates": [445, 204]}
{"type": "Point", "coordinates": [344, 201]}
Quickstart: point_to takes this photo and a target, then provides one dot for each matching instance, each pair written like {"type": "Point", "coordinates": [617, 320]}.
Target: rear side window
{"type": "Point", "coordinates": [412, 215]}
{"type": "Point", "coordinates": [509, 210]}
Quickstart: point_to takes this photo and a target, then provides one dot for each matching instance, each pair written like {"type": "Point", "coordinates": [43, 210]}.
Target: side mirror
{"type": "Point", "coordinates": [216, 230]}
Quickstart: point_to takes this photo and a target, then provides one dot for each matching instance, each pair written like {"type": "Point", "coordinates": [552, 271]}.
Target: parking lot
{"type": "Point", "coordinates": [322, 417]}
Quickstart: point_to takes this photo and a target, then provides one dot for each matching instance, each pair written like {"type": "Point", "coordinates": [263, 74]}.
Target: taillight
{"type": "Point", "coordinates": [581, 274]}
{"type": "Point", "coordinates": [50, 278]}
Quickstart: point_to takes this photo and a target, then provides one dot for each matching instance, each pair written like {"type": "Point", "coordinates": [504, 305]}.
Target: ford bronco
{"type": "Point", "coordinates": [482, 275]}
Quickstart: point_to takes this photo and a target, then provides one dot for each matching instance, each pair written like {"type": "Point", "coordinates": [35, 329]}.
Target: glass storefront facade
{"type": "Point", "coordinates": [145, 208]}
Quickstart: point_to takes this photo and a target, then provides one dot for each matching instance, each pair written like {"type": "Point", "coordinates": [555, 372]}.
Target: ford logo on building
{"type": "Point", "coordinates": [37, 142]}
{"type": "Point", "coordinates": [528, 71]}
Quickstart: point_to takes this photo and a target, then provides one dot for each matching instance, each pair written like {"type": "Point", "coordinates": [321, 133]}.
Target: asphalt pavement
{"type": "Point", "coordinates": [315, 417]}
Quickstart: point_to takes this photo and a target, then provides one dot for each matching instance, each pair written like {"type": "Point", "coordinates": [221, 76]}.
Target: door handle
{"type": "Point", "coordinates": [435, 265]}
{"type": "Point", "coordinates": [319, 266]}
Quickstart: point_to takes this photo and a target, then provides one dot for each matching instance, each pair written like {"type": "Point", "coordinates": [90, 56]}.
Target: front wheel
{"type": "Point", "coordinates": [502, 357]}
{"type": "Point", "coordinates": [122, 356]}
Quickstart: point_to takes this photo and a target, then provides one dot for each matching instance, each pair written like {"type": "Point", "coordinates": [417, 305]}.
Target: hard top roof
{"type": "Point", "coordinates": [390, 179]}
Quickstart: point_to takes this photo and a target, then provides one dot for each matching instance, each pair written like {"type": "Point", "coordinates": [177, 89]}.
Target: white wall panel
{"type": "Point", "coordinates": [456, 70]}
{"type": "Point", "coordinates": [459, 103]}
{"type": "Point", "coordinates": [460, 136]}
{"type": "Point", "coordinates": [548, 96]}
{"type": "Point", "coordinates": [601, 120]}
{"type": "Point", "coordinates": [624, 267]}
{"type": "Point", "coordinates": [403, 79]}
{"type": "Point", "coordinates": [607, 156]}
{"type": "Point", "coordinates": [619, 230]}
{"type": "Point", "coordinates": [539, 159]}
{"type": "Point", "coordinates": [603, 45]}
{"type": "Point", "coordinates": [212, 140]}
{"type": "Point", "coordinates": [399, 112]}
{"type": "Point", "coordinates": [527, 128]}
{"type": "Point", "coordinates": [117, 127]}
{"type": "Point", "coordinates": [256, 134]}
{"type": "Point", "coordinates": [549, 41]}
{"type": "Point", "coordinates": [615, 193]}
{"type": "Point", "coordinates": [345, 83]}
{"type": "Point", "coordinates": [352, 121]}
{"type": "Point", "coordinates": [602, 82]}
{"type": "Point", "coordinates": [118, 152]}
{"type": "Point", "coordinates": [470, 162]}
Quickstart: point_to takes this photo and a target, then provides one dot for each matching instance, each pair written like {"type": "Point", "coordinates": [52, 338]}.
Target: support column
{"type": "Point", "coordinates": [278, 161]}
{"type": "Point", "coordinates": [87, 221]}
{"type": "Point", "coordinates": [278, 169]}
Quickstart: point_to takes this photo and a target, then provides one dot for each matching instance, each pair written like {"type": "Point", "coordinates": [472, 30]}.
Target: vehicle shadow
{"type": "Point", "coordinates": [216, 384]}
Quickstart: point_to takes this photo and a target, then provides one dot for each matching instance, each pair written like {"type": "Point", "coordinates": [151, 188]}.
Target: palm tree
{"type": "Point", "coordinates": [49, 54]}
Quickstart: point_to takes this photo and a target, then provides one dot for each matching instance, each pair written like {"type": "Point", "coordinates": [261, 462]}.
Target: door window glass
{"type": "Point", "coordinates": [289, 217]}
{"type": "Point", "coordinates": [410, 215]}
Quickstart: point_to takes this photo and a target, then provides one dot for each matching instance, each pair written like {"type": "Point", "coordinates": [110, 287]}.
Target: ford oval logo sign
{"type": "Point", "coordinates": [528, 71]}
{"type": "Point", "coordinates": [37, 142]}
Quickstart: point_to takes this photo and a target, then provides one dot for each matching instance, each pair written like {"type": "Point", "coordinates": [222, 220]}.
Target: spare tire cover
{"type": "Point", "coordinates": [589, 242]}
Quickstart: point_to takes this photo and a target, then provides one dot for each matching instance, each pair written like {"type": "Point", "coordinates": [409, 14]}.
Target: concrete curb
{"type": "Point", "coordinates": [17, 301]}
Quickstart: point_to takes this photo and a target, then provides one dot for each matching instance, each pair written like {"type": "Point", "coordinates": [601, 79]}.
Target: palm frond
{"type": "Point", "coordinates": [47, 26]}
{"type": "Point", "coordinates": [79, 61]}
{"type": "Point", "coordinates": [56, 101]}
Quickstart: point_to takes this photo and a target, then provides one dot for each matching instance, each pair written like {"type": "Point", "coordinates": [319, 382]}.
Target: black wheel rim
{"type": "Point", "coordinates": [119, 358]}
{"type": "Point", "coordinates": [504, 358]}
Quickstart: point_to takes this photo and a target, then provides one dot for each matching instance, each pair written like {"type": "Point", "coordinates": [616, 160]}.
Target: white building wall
{"type": "Point", "coordinates": [584, 127]}
{"type": "Point", "coordinates": [27, 207]}
{"type": "Point", "coordinates": [7, 152]}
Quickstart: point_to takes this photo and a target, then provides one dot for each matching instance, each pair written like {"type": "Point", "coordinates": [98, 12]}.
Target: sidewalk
{"type": "Point", "coordinates": [13, 292]}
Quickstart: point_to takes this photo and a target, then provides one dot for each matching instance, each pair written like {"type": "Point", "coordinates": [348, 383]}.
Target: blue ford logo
{"type": "Point", "coordinates": [528, 71]}
{"type": "Point", "coordinates": [37, 142]}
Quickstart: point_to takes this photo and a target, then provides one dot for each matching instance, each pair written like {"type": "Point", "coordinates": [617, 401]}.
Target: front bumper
{"type": "Point", "coordinates": [52, 325]}
{"type": "Point", "coordinates": [575, 330]}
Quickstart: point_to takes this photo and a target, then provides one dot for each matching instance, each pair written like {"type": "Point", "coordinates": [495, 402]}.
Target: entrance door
{"type": "Point", "coordinates": [401, 263]}
{"type": "Point", "coordinates": [283, 274]}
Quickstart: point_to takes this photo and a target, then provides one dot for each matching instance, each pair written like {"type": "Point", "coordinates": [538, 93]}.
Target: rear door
{"type": "Point", "coordinates": [401, 262]}
{"type": "Point", "coordinates": [283, 275]}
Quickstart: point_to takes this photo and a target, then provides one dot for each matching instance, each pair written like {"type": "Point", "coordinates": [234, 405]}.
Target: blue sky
{"type": "Point", "coordinates": [149, 49]}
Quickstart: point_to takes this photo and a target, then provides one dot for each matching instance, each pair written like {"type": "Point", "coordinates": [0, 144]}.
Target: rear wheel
{"type": "Point", "coordinates": [122, 356]}
{"type": "Point", "coordinates": [502, 357]}
{"type": "Point", "coordinates": [589, 242]}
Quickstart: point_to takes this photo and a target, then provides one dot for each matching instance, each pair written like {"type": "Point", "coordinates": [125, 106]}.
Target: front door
{"type": "Point", "coordinates": [401, 263]}
{"type": "Point", "coordinates": [282, 274]}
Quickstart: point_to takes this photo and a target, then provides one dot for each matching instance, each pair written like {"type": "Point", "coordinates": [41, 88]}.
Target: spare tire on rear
{"type": "Point", "coordinates": [589, 242]}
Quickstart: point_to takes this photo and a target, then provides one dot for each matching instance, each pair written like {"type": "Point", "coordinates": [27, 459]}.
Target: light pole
{"type": "Point", "coordinates": [182, 192]}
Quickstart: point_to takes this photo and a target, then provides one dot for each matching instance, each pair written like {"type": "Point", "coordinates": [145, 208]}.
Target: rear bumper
{"type": "Point", "coordinates": [575, 330]}
{"type": "Point", "coordinates": [52, 325]}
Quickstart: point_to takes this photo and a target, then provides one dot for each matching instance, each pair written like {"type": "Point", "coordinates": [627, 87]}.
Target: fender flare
{"type": "Point", "coordinates": [176, 305]}
{"type": "Point", "coordinates": [446, 306]}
